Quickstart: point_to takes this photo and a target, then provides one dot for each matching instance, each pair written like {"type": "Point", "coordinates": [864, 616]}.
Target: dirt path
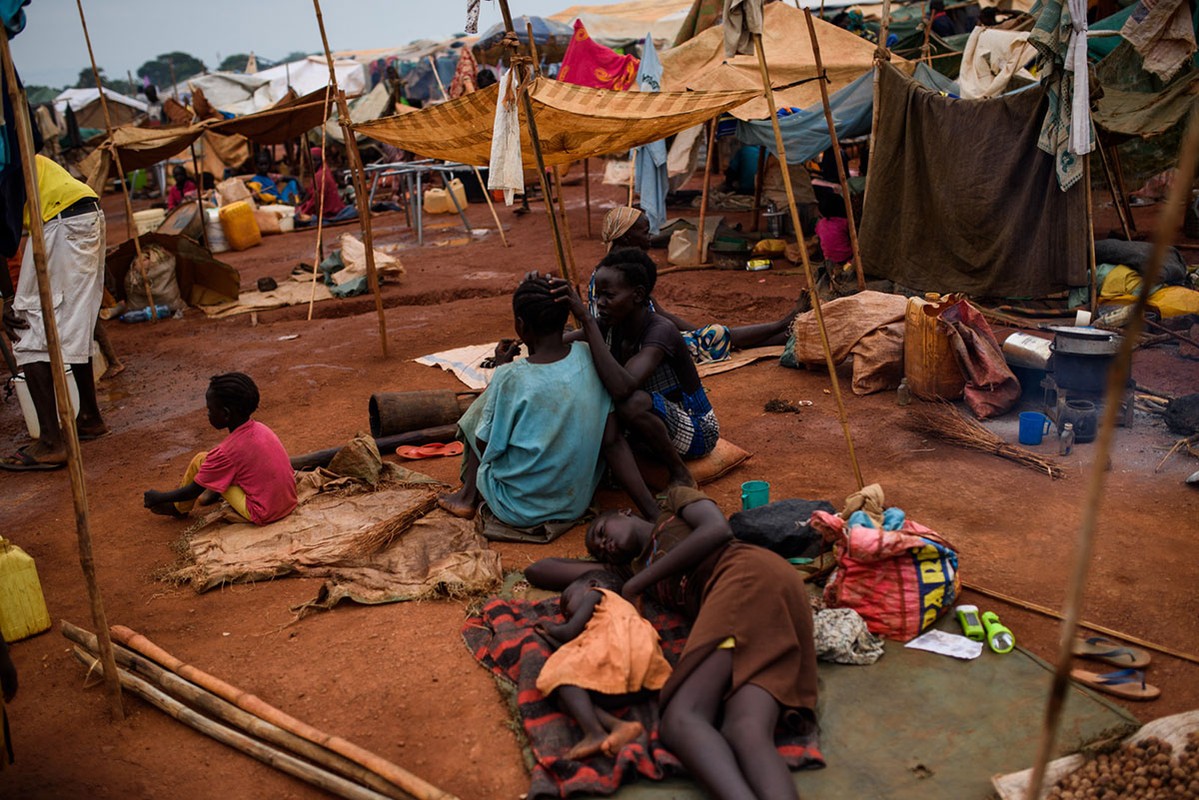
{"type": "Point", "coordinates": [396, 678]}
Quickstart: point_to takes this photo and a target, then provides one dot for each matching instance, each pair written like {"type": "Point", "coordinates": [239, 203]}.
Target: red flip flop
{"type": "Point", "coordinates": [431, 450]}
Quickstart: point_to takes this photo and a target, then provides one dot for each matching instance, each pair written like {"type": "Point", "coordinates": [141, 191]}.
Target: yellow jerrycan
{"type": "Point", "coordinates": [22, 606]}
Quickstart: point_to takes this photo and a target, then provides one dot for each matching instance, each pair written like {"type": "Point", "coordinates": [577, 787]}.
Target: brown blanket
{"type": "Point", "coordinates": [960, 199]}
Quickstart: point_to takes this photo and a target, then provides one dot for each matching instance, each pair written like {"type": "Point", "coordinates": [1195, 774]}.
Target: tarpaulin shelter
{"type": "Point", "coordinates": [312, 73]}
{"type": "Point", "coordinates": [573, 122]}
{"type": "Point", "coordinates": [89, 112]}
{"type": "Point", "coordinates": [371, 106]}
{"type": "Point", "coordinates": [700, 64]}
{"type": "Point", "coordinates": [550, 36]}
{"type": "Point", "coordinates": [622, 24]}
{"type": "Point", "coordinates": [960, 199]}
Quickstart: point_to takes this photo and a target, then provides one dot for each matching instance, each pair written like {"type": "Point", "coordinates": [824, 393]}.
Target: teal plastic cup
{"type": "Point", "coordinates": [754, 494]}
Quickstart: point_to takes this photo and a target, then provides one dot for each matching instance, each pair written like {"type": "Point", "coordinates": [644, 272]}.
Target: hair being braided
{"type": "Point", "coordinates": [534, 304]}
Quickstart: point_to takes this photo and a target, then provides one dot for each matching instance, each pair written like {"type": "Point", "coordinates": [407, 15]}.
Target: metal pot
{"type": "Point", "coordinates": [1082, 341]}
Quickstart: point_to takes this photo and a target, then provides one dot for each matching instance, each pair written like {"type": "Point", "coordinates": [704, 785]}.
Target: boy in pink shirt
{"type": "Point", "coordinates": [249, 469]}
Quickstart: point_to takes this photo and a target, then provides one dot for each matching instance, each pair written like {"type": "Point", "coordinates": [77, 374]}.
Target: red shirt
{"type": "Point", "coordinates": [323, 183]}
{"type": "Point", "coordinates": [253, 458]}
{"type": "Point", "coordinates": [834, 239]}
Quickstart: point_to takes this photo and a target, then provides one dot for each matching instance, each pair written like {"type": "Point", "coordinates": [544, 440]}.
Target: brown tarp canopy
{"type": "Point", "coordinates": [282, 122]}
{"type": "Point", "coordinates": [960, 199]}
{"type": "Point", "coordinates": [702, 65]}
{"type": "Point", "coordinates": [573, 122]}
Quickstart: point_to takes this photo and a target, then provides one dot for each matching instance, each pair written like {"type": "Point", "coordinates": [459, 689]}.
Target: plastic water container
{"type": "Point", "coordinates": [438, 201]}
{"type": "Point", "coordinates": [241, 228]}
{"type": "Point", "coordinates": [22, 605]}
{"type": "Point", "coordinates": [25, 400]}
{"type": "Point", "coordinates": [928, 360]}
{"type": "Point", "coordinates": [148, 221]}
{"type": "Point", "coordinates": [217, 243]}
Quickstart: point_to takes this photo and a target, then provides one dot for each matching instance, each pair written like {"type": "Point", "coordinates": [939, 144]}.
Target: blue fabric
{"type": "Point", "coordinates": [13, 16]}
{"type": "Point", "coordinates": [650, 166]}
{"type": "Point", "coordinates": [744, 168]}
{"type": "Point", "coordinates": [289, 193]}
{"type": "Point", "coordinates": [543, 425]}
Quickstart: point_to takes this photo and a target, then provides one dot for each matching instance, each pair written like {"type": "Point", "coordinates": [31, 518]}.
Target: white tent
{"type": "Point", "coordinates": [312, 73]}
{"type": "Point", "coordinates": [619, 24]}
{"type": "Point", "coordinates": [232, 92]}
{"type": "Point", "coordinates": [86, 105]}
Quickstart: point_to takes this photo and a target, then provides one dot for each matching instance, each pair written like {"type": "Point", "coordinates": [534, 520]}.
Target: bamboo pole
{"type": "Point", "coordinates": [478, 175]}
{"type": "Point", "coordinates": [527, 102]}
{"type": "Point", "coordinates": [836, 142]}
{"type": "Point", "coordinates": [66, 419]}
{"type": "Point", "coordinates": [224, 711]}
{"type": "Point", "coordinates": [200, 196]}
{"type": "Point", "coordinates": [587, 192]}
{"type": "Point", "coordinates": [570, 247]}
{"type": "Point", "coordinates": [1093, 267]}
{"type": "Point", "coordinates": [880, 54]}
{"type": "Point", "coordinates": [926, 19]}
{"type": "Point", "coordinates": [1117, 198]}
{"type": "Point", "coordinates": [318, 254]}
{"type": "Point", "coordinates": [1117, 377]}
{"type": "Point", "coordinates": [361, 195]}
{"type": "Point", "coordinates": [1049, 612]}
{"type": "Point", "coordinates": [807, 265]}
{"type": "Point", "coordinates": [703, 202]}
{"type": "Point", "coordinates": [225, 735]}
{"type": "Point", "coordinates": [259, 708]}
{"type": "Point", "coordinates": [130, 227]}
{"type": "Point", "coordinates": [1118, 167]}
{"type": "Point", "coordinates": [759, 185]}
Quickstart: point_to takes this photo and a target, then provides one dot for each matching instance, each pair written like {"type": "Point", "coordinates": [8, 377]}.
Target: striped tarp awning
{"type": "Point", "coordinates": [573, 122]}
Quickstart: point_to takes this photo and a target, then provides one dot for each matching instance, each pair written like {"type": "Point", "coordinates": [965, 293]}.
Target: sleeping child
{"type": "Point", "coordinates": [605, 647]}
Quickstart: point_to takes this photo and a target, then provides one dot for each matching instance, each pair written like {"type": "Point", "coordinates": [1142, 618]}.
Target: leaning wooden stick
{"type": "Point", "coordinates": [587, 192]}
{"type": "Point", "coordinates": [66, 419]}
{"type": "Point", "coordinates": [225, 735]}
{"type": "Point", "coordinates": [318, 254]}
{"type": "Point", "coordinates": [1117, 377]}
{"type": "Point", "coordinates": [836, 144]}
{"type": "Point", "coordinates": [248, 702]}
{"type": "Point", "coordinates": [806, 262]}
{"type": "Point", "coordinates": [703, 197]}
{"type": "Point", "coordinates": [130, 225]}
{"type": "Point", "coordinates": [478, 175]}
{"type": "Point", "coordinates": [207, 702]}
{"type": "Point", "coordinates": [358, 174]}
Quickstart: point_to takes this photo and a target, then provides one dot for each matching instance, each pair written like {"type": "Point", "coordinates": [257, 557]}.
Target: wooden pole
{"type": "Point", "coordinates": [1117, 199]}
{"type": "Point", "coordinates": [319, 254]}
{"type": "Point", "coordinates": [478, 175]}
{"type": "Point", "coordinates": [263, 710]}
{"type": "Point", "coordinates": [360, 191]}
{"type": "Point", "coordinates": [759, 185]}
{"type": "Point", "coordinates": [836, 142]}
{"type": "Point", "coordinates": [1093, 267]}
{"type": "Point", "coordinates": [225, 735]}
{"type": "Point", "coordinates": [66, 419]}
{"type": "Point", "coordinates": [880, 54]}
{"type": "Point", "coordinates": [1117, 376]}
{"type": "Point", "coordinates": [527, 102]}
{"type": "Point", "coordinates": [807, 264]}
{"type": "Point", "coordinates": [130, 228]}
{"type": "Point", "coordinates": [703, 201]}
{"type": "Point", "coordinates": [587, 192]}
{"type": "Point", "coordinates": [632, 174]}
{"type": "Point", "coordinates": [1118, 167]}
{"type": "Point", "coordinates": [208, 703]}
{"type": "Point", "coordinates": [200, 196]}
{"type": "Point", "coordinates": [171, 67]}
{"type": "Point", "coordinates": [926, 19]}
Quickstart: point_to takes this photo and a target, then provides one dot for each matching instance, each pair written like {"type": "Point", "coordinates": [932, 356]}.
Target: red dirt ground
{"type": "Point", "coordinates": [397, 679]}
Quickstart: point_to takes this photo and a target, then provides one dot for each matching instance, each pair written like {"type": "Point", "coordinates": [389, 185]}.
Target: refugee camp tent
{"type": "Point", "coordinates": [232, 92]}
{"type": "Point", "coordinates": [89, 112]}
{"type": "Point", "coordinates": [550, 36]}
{"type": "Point", "coordinates": [573, 122]}
{"type": "Point", "coordinates": [374, 104]}
{"type": "Point", "coordinates": [621, 24]}
{"type": "Point", "coordinates": [701, 64]}
{"type": "Point", "coordinates": [312, 73]}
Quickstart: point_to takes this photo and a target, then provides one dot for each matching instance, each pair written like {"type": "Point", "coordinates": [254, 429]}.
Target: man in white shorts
{"type": "Point", "coordinates": [74, 233]}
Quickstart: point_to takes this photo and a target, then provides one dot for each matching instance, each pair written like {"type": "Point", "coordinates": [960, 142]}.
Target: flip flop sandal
{"type": "Point", "coordinates": [21, 461]}
{"type": "Point", "coordinates": [1127, 683]}
{"type": "Point", "coordinates": [93, 436]}
{"type": "Point", "coordinates": [431, 450]}
{"type": "Point", "coordinates": [1103, 649]}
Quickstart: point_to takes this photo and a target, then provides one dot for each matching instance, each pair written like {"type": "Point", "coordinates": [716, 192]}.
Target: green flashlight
{"type": "Point", "coordinates": [999, 637]}
{"type": "Point", "coordinates": [972, 626]}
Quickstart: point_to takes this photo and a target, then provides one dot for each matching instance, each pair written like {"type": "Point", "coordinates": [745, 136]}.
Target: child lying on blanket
{"type": "Point", "coordinates": [249, 469]}
{"type": "Point", "coordinates": [606, 647]}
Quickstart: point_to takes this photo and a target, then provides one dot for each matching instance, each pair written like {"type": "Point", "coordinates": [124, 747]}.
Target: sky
{"type": "Point", "coordinates": [127, 33]}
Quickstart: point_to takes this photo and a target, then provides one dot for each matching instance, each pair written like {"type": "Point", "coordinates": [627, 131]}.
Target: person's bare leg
{"type": "Point", "coordinates": [464, 502]}
{"type": "Point", "coordinates": [620, 732]}
{"type": "Point", "coordinates": [90, 423]}
{"type": "Point", "coordinates": [115, 365]}
{"type": "Point", "coordinates": [578, 705]}
{"type": "Point", "coordinates": [637, 413]}
{"type": "Point", "coordinates": [49, 447]}
{"type": "Point", "coordinates": [688, 729]}
{"type": "Point", "coordinates": [750, 716]}
{"type": "Point", "coordinates": [763, 333]}
{"type": "Point", "coordinates": [620, 460]}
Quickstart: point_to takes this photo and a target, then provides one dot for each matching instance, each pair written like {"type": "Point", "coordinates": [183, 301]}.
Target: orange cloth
{"type": "Point", "coordinates": [617, 653]}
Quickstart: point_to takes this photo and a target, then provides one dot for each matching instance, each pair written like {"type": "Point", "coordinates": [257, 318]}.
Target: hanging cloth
{"type": "Point", "coordinates": [652, 177]}
{"type": "Point", "coordinates": [506, 170]}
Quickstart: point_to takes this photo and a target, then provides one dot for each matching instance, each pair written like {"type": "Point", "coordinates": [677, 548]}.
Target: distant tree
{"type": "Point", "coordinates": [234, 63]}
{"type": "Point", "coordinates": [113, 84]}
{"type": "Point", "coordinates": [295, 55]}
{"type": "Point", "coordinates": [87, 81]}
{"type": "Point", "coordinates": [159, 70]}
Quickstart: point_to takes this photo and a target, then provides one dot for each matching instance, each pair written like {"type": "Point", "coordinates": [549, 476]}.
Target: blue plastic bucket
{"type": "Point", "coordinates": [1033, 426]}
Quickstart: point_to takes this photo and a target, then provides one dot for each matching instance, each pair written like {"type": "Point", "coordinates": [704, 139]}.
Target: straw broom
{"type": "Point", "coordinates": [945, 422]}
{"type": "Point", "coordinates": [379, 536]}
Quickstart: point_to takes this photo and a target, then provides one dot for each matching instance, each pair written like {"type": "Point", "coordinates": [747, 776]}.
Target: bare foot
{"type": "Point", "coordinates": [621, 735]}
{"type": "Point", "coordinates": [114, 369]}
{"type": "Point", "coordinates": [590, 746]}
{"type": "Point", "coordinates": [457, 505]}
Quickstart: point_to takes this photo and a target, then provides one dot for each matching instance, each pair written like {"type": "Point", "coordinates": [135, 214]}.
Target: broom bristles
{"type": "Point", "coordinates": [945, 422]}
{"type": "Point", "coordinates": [379, 536]}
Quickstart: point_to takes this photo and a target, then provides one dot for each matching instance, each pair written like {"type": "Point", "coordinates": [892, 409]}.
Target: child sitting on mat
{"type": "Point", "coordinates": [607, 647]}
{"type": "Point", "coordinates": [249, 469]}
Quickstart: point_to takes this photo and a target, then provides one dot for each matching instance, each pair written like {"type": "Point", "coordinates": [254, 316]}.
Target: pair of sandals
{"type": "Point", "coordinates": [1129, 682]}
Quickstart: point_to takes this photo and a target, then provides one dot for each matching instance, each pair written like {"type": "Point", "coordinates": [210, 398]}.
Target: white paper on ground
{"type": "Point", "coordinates": [947, 644]}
